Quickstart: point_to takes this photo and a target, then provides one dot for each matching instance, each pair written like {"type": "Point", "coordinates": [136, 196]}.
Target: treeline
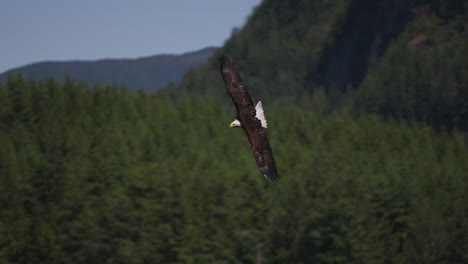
{"type": "Point", "coordinates": [104, 175]}
{"type": "Point", "coordinates": [403, 60]}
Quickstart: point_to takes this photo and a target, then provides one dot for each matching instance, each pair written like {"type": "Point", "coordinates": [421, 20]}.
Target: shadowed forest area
{"type": "Point", "coordinates": [372, 158]}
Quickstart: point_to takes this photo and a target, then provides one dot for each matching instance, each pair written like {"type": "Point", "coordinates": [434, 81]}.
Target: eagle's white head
{"type": "Point", "coordinates": [235, 123]}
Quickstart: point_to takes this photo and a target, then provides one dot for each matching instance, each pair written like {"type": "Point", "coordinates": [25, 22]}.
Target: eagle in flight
{"type": "Point", "coordinates": [251, 119]}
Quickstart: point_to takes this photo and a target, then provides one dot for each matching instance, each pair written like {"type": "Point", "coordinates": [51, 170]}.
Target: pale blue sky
{"type": "Point", "coordinates": [38, 30]}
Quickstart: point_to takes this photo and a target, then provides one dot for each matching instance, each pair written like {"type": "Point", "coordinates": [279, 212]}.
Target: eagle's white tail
{"type": "Point", "coordinates": [260, 115]}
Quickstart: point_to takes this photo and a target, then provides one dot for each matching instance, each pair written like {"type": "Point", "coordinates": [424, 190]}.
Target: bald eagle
{"type": "Point", "coordinates": [251, 119]}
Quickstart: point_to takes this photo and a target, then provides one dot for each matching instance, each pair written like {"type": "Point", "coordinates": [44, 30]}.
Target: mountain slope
{"type": "Point", "coordinates": [369, 56]}
{"type": "Point", "coordinates": [277, 49]}
{"type": "Point", "coordinates": [423, 75]}
{"type": "Point", "coordinates": [150, 73]}
{"type": "Point", "coordinates": [289, 48]}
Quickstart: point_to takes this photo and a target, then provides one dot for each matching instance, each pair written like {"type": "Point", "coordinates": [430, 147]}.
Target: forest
{"type": "Point", "coordinates": [372, 169]}
{"type": "Point", "coordinates": [105, 175]}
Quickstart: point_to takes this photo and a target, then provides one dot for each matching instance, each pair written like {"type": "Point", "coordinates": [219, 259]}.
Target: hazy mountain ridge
{"type": "Point", "coordinates": [150, 73]}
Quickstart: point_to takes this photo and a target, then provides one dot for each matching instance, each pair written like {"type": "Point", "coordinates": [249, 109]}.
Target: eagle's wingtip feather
{"type": "Point", "coordinates": [271, 177]}
{"type": "Point", "coordinates": [226, 61]}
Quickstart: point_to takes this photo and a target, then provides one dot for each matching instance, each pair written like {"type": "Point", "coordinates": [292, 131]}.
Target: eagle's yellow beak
{"type": "Point", "coordinates": [231, 125]}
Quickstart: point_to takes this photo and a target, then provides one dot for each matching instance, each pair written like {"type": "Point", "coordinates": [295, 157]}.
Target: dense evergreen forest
{"type": "Point", "coordinates": [372, 158]}
{"type": "Point", "coordinates": [104, 175]}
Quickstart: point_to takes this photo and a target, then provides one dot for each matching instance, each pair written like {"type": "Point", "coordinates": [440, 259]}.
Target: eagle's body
{"type": "Point", "coordinates": [250, 118]}
{"type": "Point", "coordinates": [259, 114]}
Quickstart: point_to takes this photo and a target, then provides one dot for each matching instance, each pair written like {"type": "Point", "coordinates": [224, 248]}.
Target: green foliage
{"type": "Point", "coordinates": [108, 176]}
{"type": "Point", "coordinates": [422, 76]}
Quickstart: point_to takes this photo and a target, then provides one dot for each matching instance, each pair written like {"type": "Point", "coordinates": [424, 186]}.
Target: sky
{"type": "Point", "coordinates": [51, 30]}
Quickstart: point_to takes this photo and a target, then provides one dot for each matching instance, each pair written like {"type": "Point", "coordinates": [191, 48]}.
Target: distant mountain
{"type": "Point", "coordinates": [150, 73]}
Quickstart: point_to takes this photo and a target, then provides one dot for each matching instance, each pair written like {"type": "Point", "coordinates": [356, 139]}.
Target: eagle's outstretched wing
{"type": "Point", "coordinates": [246, 114]}
{"type": "Point", "coordinates": [235, 85]}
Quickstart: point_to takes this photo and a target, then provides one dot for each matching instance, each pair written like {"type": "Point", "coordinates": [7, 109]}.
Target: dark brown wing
{"type": "Point", "coordinates": [246, 114]}
{"type": "Point", "coordinates": [235, 85]}
{"type": "Point", "coordinates": [261, 150]}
